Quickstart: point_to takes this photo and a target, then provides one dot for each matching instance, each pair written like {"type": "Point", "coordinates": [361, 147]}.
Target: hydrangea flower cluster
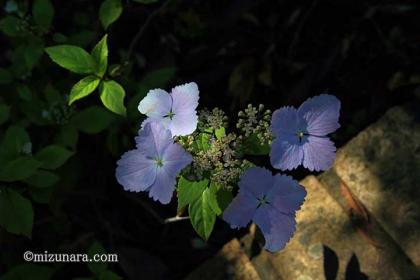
{"type": "Point", "coordinates": [175, 142]}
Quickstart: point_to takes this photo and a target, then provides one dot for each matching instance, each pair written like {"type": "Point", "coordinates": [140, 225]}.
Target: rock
{"type": "Point", "coordinates": [381, 166]}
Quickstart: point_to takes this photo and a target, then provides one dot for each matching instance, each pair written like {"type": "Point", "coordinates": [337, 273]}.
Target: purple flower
{"type": "Point", "coordinates": [154, 165]}
{"type": "Point", "coordinates": [270, 202]}
{"type": "Point", "coordinates": [176, 111]}
{"type": "Point", "coordinates": [300, 135]}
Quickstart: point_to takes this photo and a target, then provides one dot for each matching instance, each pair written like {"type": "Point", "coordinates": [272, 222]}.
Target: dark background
{"type": "Point", "coordinates": [238, 52]}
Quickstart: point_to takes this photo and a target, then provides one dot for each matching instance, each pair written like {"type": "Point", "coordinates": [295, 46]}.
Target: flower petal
{"type": "Point", "coordinates": [175, 159]}
{"type": "Point", "coordinates": [135, 172]}
{"type": "Point", "coordinates": [286, 195]}
{"type": "Point", "coordinates": [318, 153]}
{"type": "Point", "coordinates": [185, 98]}
{"type": "Point", "coordinates": [183, 124]}
{"type": "Point", "coordinates": [257, 181]}
{"type": "Point", "coordinates": [284, 121]}
{"type": "Point", "coordinates": [163, 187]}
{"type": "Point", "coordinates": [276, 227]}
{"type": "Point", "coordinates": [241, 210]}
{"type": "Point", "coordinates": [153, 140]}
{"type": "Point", "coordinates": [286, 152]}
{"type": "Point", "coordinates": [321, 113]}
{"type": "Point", "coordinates": [157, 103]}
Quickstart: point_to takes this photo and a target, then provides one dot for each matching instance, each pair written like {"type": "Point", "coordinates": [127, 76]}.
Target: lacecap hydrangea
{"type": "Point", "coordinates": [173, 144]}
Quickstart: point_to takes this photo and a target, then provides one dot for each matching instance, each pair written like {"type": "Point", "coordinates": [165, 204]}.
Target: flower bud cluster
{"type": "Point", "coordinates": [255, 121]}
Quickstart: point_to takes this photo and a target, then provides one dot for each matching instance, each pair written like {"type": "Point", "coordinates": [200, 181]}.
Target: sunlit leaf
{"type": "Point", "coordinates": [83, 88]}
{"type": "Point", "coordinates": [112, 96]}
{"type": "Point", "coordinates": [72, 58]}
{"type": "Point", "coordinates": [100, 55]}
{"type": "Point", "coordinates": [189, 191]}
{"type": "Point", "coordinates": [109, 12]}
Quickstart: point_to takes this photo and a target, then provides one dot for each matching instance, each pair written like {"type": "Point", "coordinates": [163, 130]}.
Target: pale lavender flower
{"type": "Point", "coordinates": [300, 135]}
{"type": "Point", "coordinates": [154, 164]}
{"type": "Point", "coordinates": [176, 111]}
{"type": "Point", "coordinates": [270, 202]}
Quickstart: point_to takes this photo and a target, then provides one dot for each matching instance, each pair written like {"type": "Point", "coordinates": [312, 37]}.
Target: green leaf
{"type": "Point", "coordinates": [4, 113]}
{"type": "Point", "coordinates": [53, 156]}
{"type": "Point", "coordinates": [202, 143]}
{"type": "Point", "coordinates": [42, 179]}
{"type": "Point", "coordinates": [9, 26]}
{"type": "Point", "coordinates": [189, 191]}
{"type": "Point", "coordinates": [252, 146]}
{"type": "Point", "coordinates": [19, 169]}
{"type": "Point", "coordinates": [28, 271]}
{"type": "Point", "coordinates": [224, 198]}
{"type": "Point", "coordinates": [67, 137]}
{"type": "Point", "coordinates": [202, 215]}
{"type": "Point", "coordinates": [43, 13]}
{"type": "Point", "coordinates": [83, 88]}
{"type": "Point", "coordinates": [212, 199]}
{"type": "Point", "coordinates": [220, 133]}
{"type": "Point", "coordinates": [15, 142]}
{"type": "Point", "coordinates": [100, 55]}
{"type": "Point", "coordinates": [109, 12]}
{"type": "Point", "coordinates": [16, 213]}
{"type": "Point", "coordinates": [96, 267]}
{"type": "Point", "coordinates": [33, 52]}
{"type": "Point", "coordinates": [92, 120]}
{"type": "Point", "coordinates": [72, 58]}
{"type": "Point", "coordinates": [146, 1]}
{"type": "Point", "coordinates": [41, 195]}
{"type": "Point", "coordinates": [112, 96]}
{"type": "Point", "coordinates": [24, 92]}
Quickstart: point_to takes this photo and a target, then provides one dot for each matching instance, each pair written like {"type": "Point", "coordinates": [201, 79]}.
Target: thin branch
{"type": "Point", "coordinates": [175, 219]}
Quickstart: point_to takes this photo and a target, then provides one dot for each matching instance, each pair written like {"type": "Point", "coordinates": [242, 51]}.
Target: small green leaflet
{"type": "Point", "coordinates": [189, 191]}
{"type": "Point", "coordinates": [53, 156]}
{"type": "Point", "coordinates": [252, 146]}
{"type": "Point", "coordinates": [202, 213]}
{"type": "Point", "coordinates": [83, 88]}
{"type": "Point", "coordinates": [220, 133]}
{"type": "Point", "coordinates": [19, 169]}
{"type": "Point", "coordinates": [109, 12]}
{"type": "Point", "coordinates": [100, 55]}
{"type": "Point", "coordinates": [16, 213]}
{"type": "Point", "coordinates": [112, 96]}
{"type": "Point", "coordinates": [72, 58]}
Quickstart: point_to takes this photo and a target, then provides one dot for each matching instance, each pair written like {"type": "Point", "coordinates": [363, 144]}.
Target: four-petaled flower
{"type": "Point", "coordinates": [270, 202]}
{"type": "Point", "coordinates": [176, 111]}
{"type": "Point", "coordinates": [300, 135]}
{"type": "Point", "coordinates": [154, 165]}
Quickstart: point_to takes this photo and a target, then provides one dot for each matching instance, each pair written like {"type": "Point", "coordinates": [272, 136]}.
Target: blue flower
{"type": "Point", "coordinates": [154, 164]}
{"type": "Point", "coordinates": [300, 135]}
{"type": "Point", "coordinates": [176, 111]}
{"type": "Point", "coordinates": [270, 202]}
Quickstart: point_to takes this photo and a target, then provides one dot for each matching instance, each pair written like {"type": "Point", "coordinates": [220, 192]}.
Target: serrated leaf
{"type": "Point", "coordinates": [72, 58]}
{"type": "Point", "coordinates": [53, 156]}
{"type": "Point", "coordinates": [16, 213]}
{"type": "Point", "coordinates": [19, 169]}
{"type": "Point", "coordinates": [189, 191]}
{"type": "Point", "coordinates": [83, 88]}
{"type": "Point", "coordinates": [112, 96]}
{"type": "Point", "coordinates": [43, 13]}
{"type": "Point", "coordinates": [212, 199]}
{"type": "Point", "coordinates": [92, 120]}
{"type": "Point", "coordinates": [202, 216]}
{"type": "Point", "coordinates": [42, 179]}
{"type": "Point", "coordinates": [109, 12]}
{"type": "Point", "coordinates": [100, 55]}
